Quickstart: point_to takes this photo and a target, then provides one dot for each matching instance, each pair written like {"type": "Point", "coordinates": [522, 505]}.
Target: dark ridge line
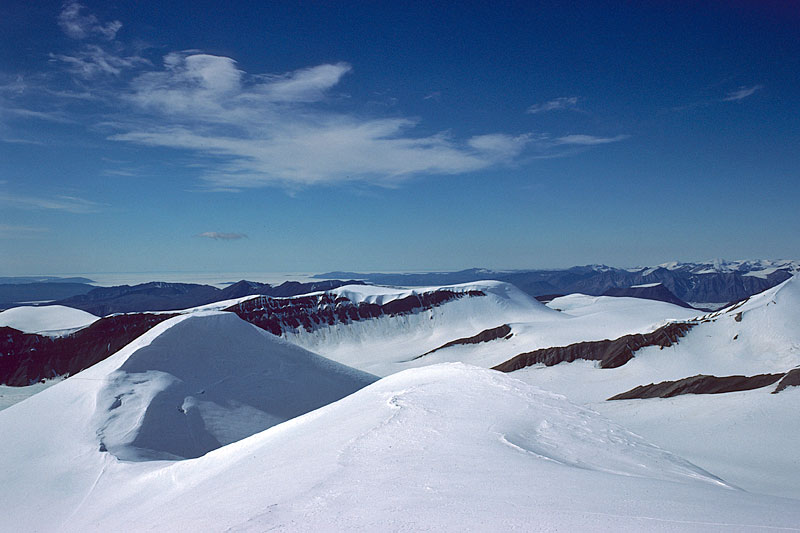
{"type": "Point", "coordinates": [791, 379]}
{"type": "Point", "coordinates": [699, 384]}
{"type": "Point", "coordinates": [278, 315]}
{"type": "Point", "coordinates": [610, 353]}
{"type": "Point", "coordinates": [500, 332]}
{"type": "Point", "coordinates": [26, 358]}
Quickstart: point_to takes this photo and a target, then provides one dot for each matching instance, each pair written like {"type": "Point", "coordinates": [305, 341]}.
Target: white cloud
{"type": "Point", "coordinates": [741, 93]}
{"type": "Point", "coordinates": [262, 130]}
{"type": "Point", "coordinates": [504, 146]}
{"type": "Point", "coordinates": [51, 116]}
{"type": "Point", "coordinates": [80, 26]}
{"type": "Point", "coordinates": [557, 104]}
{"type": "Point", "coordinates": [69, 204]}
{"type": "Point", "coordinates": [588, 140]}
{"type": "Point", "coordinates": [94, 60]}
{"type": "Point", "coordinates": [10, 231]}
{"type": "Point", "coordinates": [305, 85]}
{"type": "Point", "coordinates": [219, 236]}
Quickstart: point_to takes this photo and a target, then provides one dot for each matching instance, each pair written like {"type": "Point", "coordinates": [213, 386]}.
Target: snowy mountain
{"type": "Point", "coordinates": [745, 437]}
{"type": "Point", "coordinates": [162, 296]}
{"type": "Point", "coordinates": [46, 319]}
{"type": "Point", "coordinates": [406, 452]}
{"type": "Point", "coordinates": [207, 422]}
{"type": "Point", "coordinates": [706, 284]}
{"type": "Point", "coordinates": [383, 330]}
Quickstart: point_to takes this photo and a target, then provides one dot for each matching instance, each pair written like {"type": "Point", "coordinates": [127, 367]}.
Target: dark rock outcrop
{"type": "Point", "coordinates": [699, 384]}
{"type": "Point", "coordinates": [26, 358]}
{"type": "Point", "coordinates": [610, 353]}
{"type": "Point", "coordinates": [790, 379]}
{"type": "Point", "coordinates": [277, 315]}
{"type": "Point", "coordinates": [500, 332]}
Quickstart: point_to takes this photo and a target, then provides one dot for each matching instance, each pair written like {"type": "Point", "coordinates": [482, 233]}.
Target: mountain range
{"type": "Point", "coordinates": [705, 284]}
{"type": "Point", "coordinates": [266, 412]}
{"type": "Point", "coordinates": [358, 407]}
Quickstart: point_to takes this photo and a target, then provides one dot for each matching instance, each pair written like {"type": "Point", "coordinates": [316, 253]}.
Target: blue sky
{"type": "Point", "coordinates": [207, 136]}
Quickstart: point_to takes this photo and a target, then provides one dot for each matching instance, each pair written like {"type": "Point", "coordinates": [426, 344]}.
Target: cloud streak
{"type": "Point", "coordinates": [79, 26]}
{"type": "Point", "coordinates": [558, 104]}
{"type": "Point", "coordinates": [10, 231]}
{"type": "Point", "coordinates": [219, 236]}
{"type": "Point", "coordinates": [588, 140]}
{"type": "Point", "coordinates": [93, 61]}
{"type": "Point", "coordinates": [69, 204]}
{"type": "Point", "coordinates": [741, 93]}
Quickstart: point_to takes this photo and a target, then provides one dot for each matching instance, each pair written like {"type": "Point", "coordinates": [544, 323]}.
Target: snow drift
{"type": "Point", "coordinates": [45, 319]}
{"type": "Point", "coordinates": [447, 447]}
{"type": "Point", "coordinates": [196, 382]}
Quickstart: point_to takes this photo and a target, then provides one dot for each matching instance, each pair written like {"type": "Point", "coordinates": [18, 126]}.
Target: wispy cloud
{"type": "Point", "coordinates": [93, 60]}
{"type": "Point", "coordinates": [741, 93]}
{"type": "Point", "coordinates": [69, 204]}
{"type": "Point", "coordinates": [9, 231]}
{"type": "Point", "coordinates": [248, 130]}
{"type": "Point", "coordinates": [13, 140]}
{"type": "Point", "coordinates": [589, 140]}
{"type": "Point", "coordinates": [267, 129]}
{"type": "Point", "coordinates": [52, 116]}
{"type": "Point", "coordinates": [219, 236]}
{"type": "Point", "coordinates": [80, 26]}
{"type": "Point", "coordinates": [557, 104]}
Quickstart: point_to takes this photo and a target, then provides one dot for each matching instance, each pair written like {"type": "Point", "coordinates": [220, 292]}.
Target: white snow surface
{"type": "Point", "coordinates": [445, 447]}
{"type": "Point", "coordinates": [747, 437]}
{"type": "Point", "coordinates": [196, 382]}
{"type": "Point", "coordinates": [758, 268]}
{"type": "Point", "coordinates": [388, 344]}
{"type": "Point", "coordinates": [448, 447]}
{"type": "Point", "coordinates": [46, 320]}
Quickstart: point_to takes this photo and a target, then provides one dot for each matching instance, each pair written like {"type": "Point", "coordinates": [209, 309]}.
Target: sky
{"type": "Point", "coordinates": [394, 136]}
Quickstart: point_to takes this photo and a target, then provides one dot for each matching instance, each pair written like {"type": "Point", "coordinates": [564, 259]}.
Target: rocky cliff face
{"type": "Point", "coordinates": [278, 315]}
{"type": "Point", "coordinates": [27, 358]}
{"type": "Point", "coordinates": [610, 353]}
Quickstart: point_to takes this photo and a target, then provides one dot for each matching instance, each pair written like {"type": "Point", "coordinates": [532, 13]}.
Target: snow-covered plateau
{"type": "Point", "coordinates": [46, 320]}
{"type": "Point", "coordinates": [207, 422]}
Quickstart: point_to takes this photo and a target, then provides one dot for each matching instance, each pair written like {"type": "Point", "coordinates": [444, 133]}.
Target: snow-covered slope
{"type": "Point", "coordinates": [389, 343]}
{"type": "Point", "coordinates": [746, 437]}
{"type": "Point", "coordinates": [379, 329]}
{"type": "Point", "coordinates": [406, 453]}
{"type": "Point", "coordinates": [760, 268]}
{"type": "Point", "coordinates": [48, 319]}
{"type": "Point", "coordinates": [190, 385]}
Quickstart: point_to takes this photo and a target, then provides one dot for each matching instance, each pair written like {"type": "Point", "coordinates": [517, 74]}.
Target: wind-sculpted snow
{"type": "Point", "coordinates": [207, 380]}
{"type": "Point", "coordinates": [381, 330]}
{"type": "Point", "coordinates": [48, 319]}
{"type": "Point", "coordinates": [447, 447]}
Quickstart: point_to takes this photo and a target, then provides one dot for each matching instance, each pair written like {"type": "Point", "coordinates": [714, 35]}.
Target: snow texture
{"type": "Point", "coordinates": [46, 320]}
